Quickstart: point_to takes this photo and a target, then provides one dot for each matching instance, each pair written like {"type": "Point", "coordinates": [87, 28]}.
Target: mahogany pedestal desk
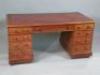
{"type": "Point", "coordinates": [76, 33]}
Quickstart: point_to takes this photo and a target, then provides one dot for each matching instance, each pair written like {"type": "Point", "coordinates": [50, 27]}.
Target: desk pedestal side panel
{"type": "Point", "coordinates": [20, 47]}
{"type": "Point", "coordinates": [77, 43]}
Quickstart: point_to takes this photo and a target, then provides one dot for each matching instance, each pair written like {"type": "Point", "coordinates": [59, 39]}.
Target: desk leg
{"type": "Point", "coordinates": [20, 48]}
{"type": "Point", "coordinates": [77, 43]}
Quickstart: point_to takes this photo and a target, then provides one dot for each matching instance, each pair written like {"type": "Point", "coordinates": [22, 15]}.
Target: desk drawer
{"type": "Point", "coordinates": [84, 27]}
{"type": "Point", "coordinates": [19, 30]}
{"type": "Point", "coordinates": [53, 28]}
{"type": "Point", "coordinates": [21, 45]}
{"type": "Point", "coordinates": [20, 38]}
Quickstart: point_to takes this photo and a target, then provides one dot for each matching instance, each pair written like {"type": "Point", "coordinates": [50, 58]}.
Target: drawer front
{"type": "Point", "coordinates": [83, 34]}
{"type": "Point", "coordinates": [20, 38]}
{"type": "Point", "coordinates": [84, 27]}
{"type": "Point", "coordinates": [20, 45]}
{"type": "Point", "coordinates": [53, 28]}
{"type": "Point", "coordinates": [79, 49]}
{"type": "Point", "coordinates": [19, 30]}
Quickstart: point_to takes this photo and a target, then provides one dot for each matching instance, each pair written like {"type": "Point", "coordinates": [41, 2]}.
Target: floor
{"type": "Point", "coordinates": [53, 60]}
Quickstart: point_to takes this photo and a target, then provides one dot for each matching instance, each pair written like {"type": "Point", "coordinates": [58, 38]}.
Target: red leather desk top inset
{"type": "Point", "coordinates": [17, 20]}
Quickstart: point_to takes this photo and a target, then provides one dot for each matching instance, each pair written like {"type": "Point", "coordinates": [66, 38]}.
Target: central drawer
{"type": "Point", "coordinates": [54, 28]}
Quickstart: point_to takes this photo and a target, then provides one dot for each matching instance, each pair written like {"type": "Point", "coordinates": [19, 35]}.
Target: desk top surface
{"type": "Point", "coordinates": [16, 20]}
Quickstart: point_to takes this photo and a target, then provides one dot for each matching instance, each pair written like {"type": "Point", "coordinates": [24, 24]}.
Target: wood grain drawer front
{"type": "Point", "coordinates": [19, 30]}
{"type": "Point", "coordinates": [82, 41]}
{"type": "Point", "coordinates": [84, 27]}
{"type": "Point", "coordinates": [20, 38]}
{"type": "Point", "coordinates": [79, 49]}
{"type": "Point", "coordinates": [83, 34]}
{"type": "Point", "coordinates": [53, 28]}
{"type": "Point", "coordinates": [20, 45]}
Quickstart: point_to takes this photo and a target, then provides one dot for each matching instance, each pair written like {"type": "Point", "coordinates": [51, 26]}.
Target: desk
{"type": "Point", "coordinates": [76, 33]}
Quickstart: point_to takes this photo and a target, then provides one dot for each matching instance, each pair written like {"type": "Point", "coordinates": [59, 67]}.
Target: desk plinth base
{"type": "Point", "coordinates": [13, 62]}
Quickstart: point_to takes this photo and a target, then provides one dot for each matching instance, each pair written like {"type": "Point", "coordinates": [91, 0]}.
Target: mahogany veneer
{"type": "Point", "coordinates": [76, 33]}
